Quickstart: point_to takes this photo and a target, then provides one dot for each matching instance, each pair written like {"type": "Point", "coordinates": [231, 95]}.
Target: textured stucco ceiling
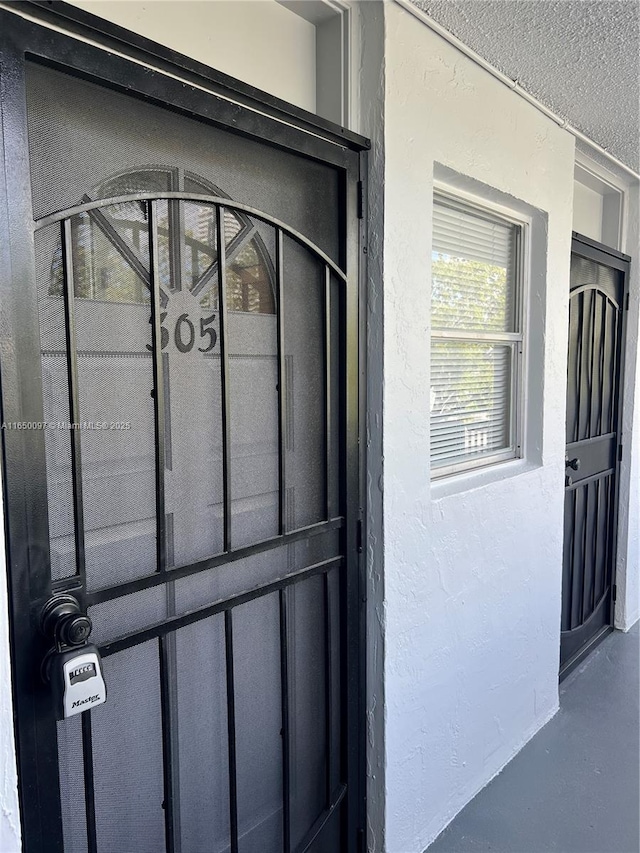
{"type": "Point", "coordinates": [581, 58]}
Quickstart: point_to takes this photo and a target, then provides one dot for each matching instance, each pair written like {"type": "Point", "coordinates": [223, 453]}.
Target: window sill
{"type": "Point", "coordinates": [477, 478]}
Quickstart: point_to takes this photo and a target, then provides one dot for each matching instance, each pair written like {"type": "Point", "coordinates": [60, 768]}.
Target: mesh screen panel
{"type": "Point", "coordinates": [115, 382]}
{"type": "Point", "coordinates": [88, 142]}
{"type": "Point", "coordinates": [81, 136]}
{"type": "Point", "coordinates": [72, 785]}
{"type": "Point", "coordinates": [336, 641]}
{"type": "Point", "coordinates": [336, 290]}
{"type": "Point", "coordinates": [55, 389]}
{"type": "Point", "coordinates": [127, 754]}
{"type": "Point", "coordinates": [253, 381]}
{"type": "Point", "coordinates": [128, 613]}
{"type": "Point", "coordinates": [258, 725]}
{"type": "Point", "coordinates": [307, 686]}
{"type": "Point", "coordinates": [193, 414]}
{"type": "Point", "coordinates": [202, 737]}
{"type": "Point", "coordinates": [118, 463]}
{"type": "Point", "coordinates": [222, 582]}
{"type": "Point", "coordinates": [304, 348]}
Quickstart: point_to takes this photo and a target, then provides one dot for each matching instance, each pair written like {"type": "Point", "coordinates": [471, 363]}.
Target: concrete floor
{"type": "Point", "coordinates": [574, 788]}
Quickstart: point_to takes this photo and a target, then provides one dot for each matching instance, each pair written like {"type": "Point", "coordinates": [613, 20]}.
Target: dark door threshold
{"type": "Point", "coordinates": [584, 652]}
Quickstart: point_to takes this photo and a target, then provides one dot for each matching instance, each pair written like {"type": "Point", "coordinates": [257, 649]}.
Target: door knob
{"type": "Point", "coordinates": [63, 621]}
{"type": "Point", "coordinates": [572, 463]}
{"type": "Point", "coordinates": [72, 668]}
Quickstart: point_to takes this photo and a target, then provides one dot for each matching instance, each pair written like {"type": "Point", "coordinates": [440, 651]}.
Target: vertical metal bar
{"type": "Point", "coordinates": [89, 788]}
{"type": "Point", "coordinates": [617, 316]}
{"type": "Point", "coordinates": [596, 547]}
{"type": "Point", "coordinates": [158, 386]}
{"type": "Point", "coordinates": [608, 562]}
{"type": "Point", "coordinates": [167, 647]}
{"type": "Point", "coordinates": [282, 393]}
{"type": "Point", "coordinates": [168, 449]}
{"type": "Point", "coordinates": [224, 377]}
{"type": "Point", "coordinates": [586, 554]}
{"type": "Point", "coordinates": [578, 434]}
{"type": "Point", "coordinates": [175, 223]}
{"type": "Point", "coordinates": [592, 349]}
{"type": "Point", "coordinates": [328, 437]}
{"type": "Point", "coordinates": [607, 380]}
{"type": "Point", "coordinates": [167, 748]}
{"type": "Point", "coordinates": [573, 557]}
{"type": "Point", "coordinates": [587, 564]}
{"type": "Point", "coordinates": [286, 738]}
{"type": "Point", "coordinates": [231, 732]}
{"type": "Point", "coordinates": [603, 320]}
{"type": "Point", "coordinates": [328, 690]}
{"type": "Point", "coordinates": [74, 402]}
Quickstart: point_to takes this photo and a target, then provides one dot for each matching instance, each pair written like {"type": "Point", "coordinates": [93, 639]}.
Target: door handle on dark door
{"type": "Point", "coordinates": [63, 622]}
{"type": "Point", "coordinates": [72, 667]}
{"type": "Point", "coordinates": [572, 463]}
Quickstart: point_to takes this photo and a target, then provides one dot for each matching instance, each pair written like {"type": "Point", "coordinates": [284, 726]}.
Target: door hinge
{"type": "Point", "coordinates": [615, 592]}
{"type": "Point", "coordinates": [626, 302]}
{"type": "Point", "coordinates": [360, 200]}
{"type": "Point", "coordinates": [362, 841]}
{"type": "Point", "coordinates": [359, 536]}
{"type": "Point", "coordinates": [619, 453]}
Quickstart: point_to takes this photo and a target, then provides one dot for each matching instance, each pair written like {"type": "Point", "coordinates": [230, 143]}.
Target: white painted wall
{"type": "Point", "coordinates": [473, 571]}
{"type": "Point", "coordinates": [587, 211]}
{"type": "Point", "coordinates": [258, 41]}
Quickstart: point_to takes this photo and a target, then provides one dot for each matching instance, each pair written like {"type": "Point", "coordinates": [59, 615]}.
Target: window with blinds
{"type": "Point", "coordinates": [477, 341]}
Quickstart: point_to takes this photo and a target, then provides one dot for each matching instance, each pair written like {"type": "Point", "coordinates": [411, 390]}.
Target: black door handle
{"type": "Point", "coordinates": [63, 621]}
{"type": "Point", "coordinates": [572, 463]}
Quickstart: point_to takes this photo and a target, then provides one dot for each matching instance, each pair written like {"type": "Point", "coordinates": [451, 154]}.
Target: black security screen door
{"type": "Point", "coordinates": [189, 474]}
{"type": "Point", "coordinates": [596, 314]}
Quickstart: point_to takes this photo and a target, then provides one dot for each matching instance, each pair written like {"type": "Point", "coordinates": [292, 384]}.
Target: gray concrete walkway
{"type": "Point", "coordinates": [574, 787]}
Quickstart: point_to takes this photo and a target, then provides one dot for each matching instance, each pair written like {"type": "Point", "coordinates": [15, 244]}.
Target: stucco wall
{"type": "Point", "coordinates": [473, 576]}
{"type": "Point", "coordinates": [369, 70]}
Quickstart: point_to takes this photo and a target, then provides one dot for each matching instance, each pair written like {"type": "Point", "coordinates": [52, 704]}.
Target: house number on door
{"type": "Point", "coordinates": [184, 333]}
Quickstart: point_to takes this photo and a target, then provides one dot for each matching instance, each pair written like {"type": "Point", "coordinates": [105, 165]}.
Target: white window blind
{"type": "Point", "coordinates": [476, 337]}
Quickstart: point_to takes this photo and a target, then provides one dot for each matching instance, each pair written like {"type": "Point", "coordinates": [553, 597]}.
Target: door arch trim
{"type": "Point", "coordinates": [218, 201]}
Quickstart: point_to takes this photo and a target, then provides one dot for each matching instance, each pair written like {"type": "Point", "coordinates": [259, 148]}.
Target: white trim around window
{"type": "Point", "coordinates": [495, 394]}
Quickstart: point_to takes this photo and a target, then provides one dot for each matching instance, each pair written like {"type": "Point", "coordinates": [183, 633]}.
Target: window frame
{"type": "Point", "coordinates": [517, 340]}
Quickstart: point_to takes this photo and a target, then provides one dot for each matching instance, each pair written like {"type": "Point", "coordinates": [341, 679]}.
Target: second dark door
{"type": "Point", "coordinates": [593, 408]}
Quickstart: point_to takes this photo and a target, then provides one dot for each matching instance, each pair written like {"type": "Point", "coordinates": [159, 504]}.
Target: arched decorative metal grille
{"type": "Point", "coordinates": [194, 345]}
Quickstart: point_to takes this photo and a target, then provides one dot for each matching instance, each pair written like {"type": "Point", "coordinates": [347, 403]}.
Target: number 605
{"type": "Point", "coordinates": [184, 333]}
